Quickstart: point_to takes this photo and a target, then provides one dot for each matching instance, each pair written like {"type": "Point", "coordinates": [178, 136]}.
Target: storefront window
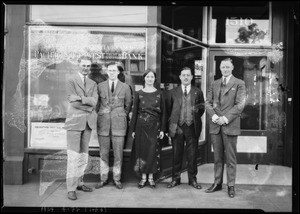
{"type": "Point", "coordinates": [184, 19]}
{"type": "Point", "coordinates": [175, 58]}
{"type": "Point", "coordinates": [254, 71]}
{"type": "Point", "coordinates": [52, 54]}
{"type": "Point", "coordinates": [89, 14]}
{"type": "Point", "coordinates": [241, 25]}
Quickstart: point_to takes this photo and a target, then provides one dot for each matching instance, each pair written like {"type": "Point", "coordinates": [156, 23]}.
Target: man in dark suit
{"type": "Point", "coordinates": [81, 119]}
{"type": "Point", "coordinates": [115, 102]}
{"type": "Point", "coordinates": [225, 103]}
{"type": "Point", "coordinates": [187, 107]}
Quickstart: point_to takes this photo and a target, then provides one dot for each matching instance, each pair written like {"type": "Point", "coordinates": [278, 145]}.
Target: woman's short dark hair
{"type": "Point", "coordinates": [146, 73]}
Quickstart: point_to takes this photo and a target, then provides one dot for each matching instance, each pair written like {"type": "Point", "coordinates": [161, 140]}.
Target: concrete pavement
{"type": "Point", "coordinates": [268, 189]}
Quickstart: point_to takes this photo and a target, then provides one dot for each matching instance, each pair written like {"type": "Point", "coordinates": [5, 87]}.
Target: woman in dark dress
{"type": "Point", "coordinates": [148, 123]}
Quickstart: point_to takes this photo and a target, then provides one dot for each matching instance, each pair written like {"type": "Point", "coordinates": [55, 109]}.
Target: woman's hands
{"type": "Point", "coordinates": [161, 135]}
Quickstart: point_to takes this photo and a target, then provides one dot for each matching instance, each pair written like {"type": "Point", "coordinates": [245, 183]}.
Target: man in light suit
{"type": "Point", "coordinates": [225, 103]}
{"type": "Point", "coordinates": [115, 102]}
{"type": "Point", "coordinates": [81, 119]}
{"type": "Point", "coordinates": [187, 106]}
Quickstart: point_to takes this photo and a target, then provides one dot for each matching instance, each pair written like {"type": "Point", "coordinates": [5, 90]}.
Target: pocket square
{"type": "Point", "coordinates": [233, 89]}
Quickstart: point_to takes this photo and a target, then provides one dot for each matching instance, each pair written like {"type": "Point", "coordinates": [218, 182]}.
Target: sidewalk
{"type": "Point", "coordinates": [268, 189]}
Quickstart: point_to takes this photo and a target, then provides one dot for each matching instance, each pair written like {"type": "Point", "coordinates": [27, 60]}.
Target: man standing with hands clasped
{"type": "Point", "coordinates": [224, 104]}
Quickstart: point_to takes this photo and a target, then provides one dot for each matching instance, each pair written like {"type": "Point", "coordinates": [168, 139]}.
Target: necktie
{"type": "Point", "coordinates": [224, 82]}
{"type": "Point", "coordinates": [84, 80]}
{"type": "Point", "coordinates": [185, 92]}
{"type": "Point", "coordinates": [112, 87]}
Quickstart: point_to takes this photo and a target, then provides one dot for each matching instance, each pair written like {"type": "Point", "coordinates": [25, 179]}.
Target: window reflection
{"type": "Point", "coordinates": [184, 19]}
{"type": "Point", "coordinates": [240, 25]}
{"type": "Point", "coordinates": [52, 57]}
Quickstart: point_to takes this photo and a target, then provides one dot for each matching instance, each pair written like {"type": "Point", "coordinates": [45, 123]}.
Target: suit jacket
{"type": "Point", "coordinates": [175, 101]}
{"type": "Point", "coordinates": [112, 115]}
{"type": "Point", "coordinates": [231, 106]}
{"type": "Point", "coordinates": [81, 112]}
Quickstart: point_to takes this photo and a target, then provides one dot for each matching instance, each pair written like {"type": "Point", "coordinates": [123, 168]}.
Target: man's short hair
{"type": "Point", "coordinates": [187, 68]}
{"type": "Point", "coordinates": [84, 58]}
{"type": "Point", "coordinates": [112, 63]}
{"type": "Point", "coordinates": [227, 59]}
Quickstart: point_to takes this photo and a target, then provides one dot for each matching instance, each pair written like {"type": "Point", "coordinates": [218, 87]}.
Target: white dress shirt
{"type": "Point", "coordinates": [227, 78]}
{"type": "Point", "coordinates": [81, 76]}
{"type": "Point", "coordinates": [110, 83]}
{"type": "Point", "coordinates": [188, 88]}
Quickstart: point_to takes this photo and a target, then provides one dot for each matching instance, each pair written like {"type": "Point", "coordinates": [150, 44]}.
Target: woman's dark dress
{"type": "Point", "coordinates": [148, 119]}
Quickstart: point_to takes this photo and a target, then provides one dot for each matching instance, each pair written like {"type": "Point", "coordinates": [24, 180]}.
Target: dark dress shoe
{"type": "Point", "coordinates": [152, 184]}
{"type": "Point", "coordinates": [118, 184]}
{"type": "Point", "coordinates": [85, 188]}
{"type": "Point", "coordinates": [231, 191]}
{"type": "Point", "coordinates": [213, 188]}
{"type": "Point", "coordinates": [101, 184]}
{"type": "Point", "coordinates": [173, 184]}
{"type": "Point", "coordinates": [142, 183]}
{"type": "Point", "coordinates": [72, 195]}
{"type": "Point", "coordinates": [195, 184]}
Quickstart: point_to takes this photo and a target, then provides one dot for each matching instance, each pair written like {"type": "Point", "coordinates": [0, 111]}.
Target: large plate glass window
{"type": "Point", "coordinates": [52, 54]}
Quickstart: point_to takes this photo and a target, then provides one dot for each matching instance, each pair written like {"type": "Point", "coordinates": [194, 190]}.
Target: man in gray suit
{"type": "Point", "coordinates": [224, 104]}
{"type": "Point", "coordinates": [115, 103]}
{"type": "Point", "coordinates": [81, 119]}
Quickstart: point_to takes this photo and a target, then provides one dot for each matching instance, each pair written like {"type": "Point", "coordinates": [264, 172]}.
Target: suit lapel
{"type": "Point", "coordinates": [179, 95]}
{"type": "Point", "coordinates": [106, 88]}
{"type": "Point", "coordinates": [218, 87]}
{"type": "Point", "coordinates": [118, 88]}
{"type": "Point", "coordinates": [192, 92]}
{"type": "Point", "coordinates": [88, 84]}
{"type": "Point", "coordinates": [79, 82]}
{"type": "Point", "coordinates": [229, 85]}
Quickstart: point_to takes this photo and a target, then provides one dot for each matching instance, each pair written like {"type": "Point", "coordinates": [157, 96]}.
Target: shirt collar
{"type": "Point", "coordinates": [81, 76]}
{"type": "Point", "coordinates": [188, 88]}
{"type": "Point", "coordinates": [110, 82]}
{"type": "Point", "coordinates": [227, 78]}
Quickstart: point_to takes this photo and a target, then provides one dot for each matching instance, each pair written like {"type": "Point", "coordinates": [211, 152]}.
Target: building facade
{"type": "Point", "coordinates": [43, 42]}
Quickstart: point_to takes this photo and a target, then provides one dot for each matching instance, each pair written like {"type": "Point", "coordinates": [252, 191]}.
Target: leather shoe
{"type": "Point", "coordinates": [195, 184]}
{"type": "Point", "coordinates": [213, 188]}
{"type": "Point", "coordinates": [231, 191]}
{"type": "Point", "coordinates": [173, 184]}
{"type": "Point", "coordinates": [101, 184]}
{"type": "Point", "coordinates": [85, 188]}
{"type": "Point", "coordinates": [151, 183]}
{"type": "Point", "coordinates": [142, 183]}
{"type": "Point", "coordinates": [72, 195]}
{"type": "Point", "coordinates": [118, 184]}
